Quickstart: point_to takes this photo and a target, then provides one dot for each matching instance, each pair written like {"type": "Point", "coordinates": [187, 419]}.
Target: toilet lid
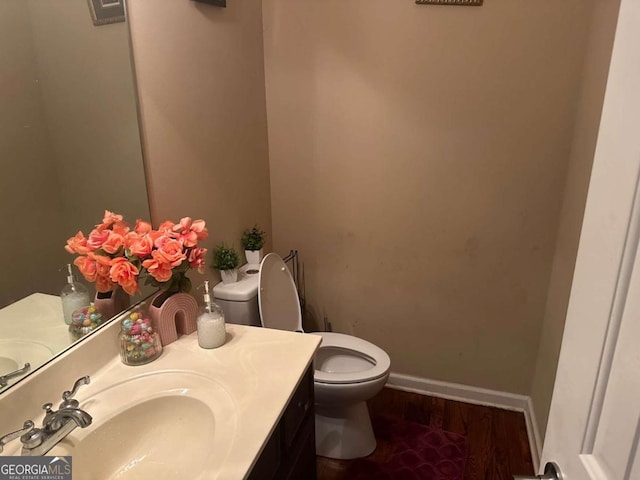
{"type": "Point", "coordinates": [278, 296]}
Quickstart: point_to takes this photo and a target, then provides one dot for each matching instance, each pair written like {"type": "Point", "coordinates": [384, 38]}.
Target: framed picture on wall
{"type": "Point", "coordinates": [468, 3]}
{"type": "Point", "coordinates": [106, 11]}
{"type": "Point", "coordinates": [217, 3]}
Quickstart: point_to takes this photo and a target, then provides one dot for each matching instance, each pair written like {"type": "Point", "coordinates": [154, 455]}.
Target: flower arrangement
{"type": "Point", "coordinates": [115, 255]}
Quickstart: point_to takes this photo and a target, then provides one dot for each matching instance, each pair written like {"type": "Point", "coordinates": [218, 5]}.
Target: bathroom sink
{"type": "Point", "coordinates": [170, 424]}
{"type": "Point", "coordinates": [14, 353]}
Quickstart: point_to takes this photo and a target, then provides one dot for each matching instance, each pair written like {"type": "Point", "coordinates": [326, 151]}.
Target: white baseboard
{"type": "Point", "coordinates": [476, 396]}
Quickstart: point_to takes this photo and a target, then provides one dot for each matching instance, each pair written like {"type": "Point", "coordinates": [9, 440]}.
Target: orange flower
{"type": "Point", "coordinates": [77, 244]}
{"type": "Point", "coordinates": [199, 226]}
{"type": "Point", "coordinates": [97, 238]}
{"type": "Point", "coordinates": [171, 252]}
{"type": "Point", "coordinates": [142, 227]}
{"type": "Point", "coordinates": [121, 228]}
{"type": "Point", "coordinates": [157, 268]}
{"type": "Point", "coordinates": [190, 232]}
{"type": "Point", "coordinates": [87, 267]}
{"type": "Point", "coordinates": [196, 258]}
{"type": "Point", "coordinates": [138, 245]}
{"type": "Point", "coordinates": [110, 218]}
{"type": "Point", "coordinates": [166, 228]}
{"type": "Point", "coordinates": [103, 264]}
{"type": "Point", "coordinates": [113, 243]}
{"type": "Point", "coordinates": [113, 221]}
{"type": "Point", "coordinates": [124, 274]}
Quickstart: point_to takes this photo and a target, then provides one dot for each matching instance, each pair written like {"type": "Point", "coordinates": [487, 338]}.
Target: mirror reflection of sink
{"type": "Point", "coordinates": [21, 351]}
{"type": "Point", "coordinates": [14, 353]}
{"type": "Point", "coordinates": [162, 425]}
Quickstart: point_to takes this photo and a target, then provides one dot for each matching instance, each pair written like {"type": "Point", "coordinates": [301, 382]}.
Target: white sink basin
{"type": "Point", "coordinates": [160, 425]}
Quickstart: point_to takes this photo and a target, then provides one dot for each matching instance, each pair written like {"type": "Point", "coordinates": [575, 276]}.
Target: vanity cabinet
{"type": "Point", "coordinates": [290, 452]}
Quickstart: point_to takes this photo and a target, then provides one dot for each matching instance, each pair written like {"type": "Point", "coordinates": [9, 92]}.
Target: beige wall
{"type": "Point", "coordinates": [88, 97]}
{"type": "Point", "coordinates": [69, 138]}
{"type": "Point", "coordinates": [418, 162]}
{"type": "Point", "coordinates": [29, 192]}
{"type": "Point", "coordinates": [201, 85]}
{"type": "Point", "coordinates": [418, 157]}
{"type": "Point", "coordinates": [594, 77]}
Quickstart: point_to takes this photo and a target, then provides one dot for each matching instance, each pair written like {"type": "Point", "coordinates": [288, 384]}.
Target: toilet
{"type": "Point", "coordinates": [348, 370]}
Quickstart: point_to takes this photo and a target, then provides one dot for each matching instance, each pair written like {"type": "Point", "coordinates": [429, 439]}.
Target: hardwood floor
{"type": "Point", "coordinates": [498, 443]}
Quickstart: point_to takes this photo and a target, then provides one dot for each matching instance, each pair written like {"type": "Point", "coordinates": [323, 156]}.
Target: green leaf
{"type": "Point", "coordinates": [185, 284]}
{"type": "Point", "coordinates": [253, 239]}
{"type": "Point", "coordinates": [225, 258]}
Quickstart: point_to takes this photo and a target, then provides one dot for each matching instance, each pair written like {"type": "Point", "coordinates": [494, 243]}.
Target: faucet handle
{"type": "Point", "coordinates": [67, 396]}
{"type": "Point", "coordinates": [49, 422]}
{"type": "Point", "coordinates": [4, 379]}
{"type": "Point", "coordinates": [26, 428]}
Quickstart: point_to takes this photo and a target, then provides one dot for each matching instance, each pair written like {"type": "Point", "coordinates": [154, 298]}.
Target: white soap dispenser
{"type": "Point", "coordinates": [74, 296]}
{"type": "Point", "coordinates": [211, 327]}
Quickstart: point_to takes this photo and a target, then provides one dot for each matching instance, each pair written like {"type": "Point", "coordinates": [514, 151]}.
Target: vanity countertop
{"type": "Point", "coordinates": [32, 331]}
{"type": "Point", "coordinates": [37, 317]}
{"type": "Point", "coordinates": [258, 369]}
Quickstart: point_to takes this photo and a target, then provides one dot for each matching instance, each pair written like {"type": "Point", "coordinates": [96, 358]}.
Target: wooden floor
{"type": "Point", "coordinates": [498, 444]}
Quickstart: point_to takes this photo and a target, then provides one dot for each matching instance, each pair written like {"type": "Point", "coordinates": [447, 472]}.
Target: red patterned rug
{"type": "Point", "coordinates": [408, 451]}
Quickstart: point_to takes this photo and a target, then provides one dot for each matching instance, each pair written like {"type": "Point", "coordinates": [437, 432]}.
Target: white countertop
{"type": "Point", "coordinates": [37, 317]}
{"type": "Point", "coordinates": [258, 368]}
{"type": "Point", "coordinates": [32, 330]}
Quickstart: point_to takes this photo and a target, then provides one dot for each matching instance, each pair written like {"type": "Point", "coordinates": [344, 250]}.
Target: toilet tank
{"type": "Point", "coordinates": [239, 300]}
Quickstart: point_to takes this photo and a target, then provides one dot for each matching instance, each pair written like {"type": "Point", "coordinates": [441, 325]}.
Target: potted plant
{"type": "Point", "coordinates": [252, 242]}
{"type": "Point", "coordinates": [226, 259]}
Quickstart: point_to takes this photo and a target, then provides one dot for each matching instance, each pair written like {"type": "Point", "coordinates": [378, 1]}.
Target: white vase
{"type": "Point", "coordinates": [254, 257]}
{"type": "Point", "coordinates": [229, 276]}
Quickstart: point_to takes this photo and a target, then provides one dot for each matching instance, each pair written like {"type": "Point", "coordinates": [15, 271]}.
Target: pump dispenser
{"type": "Point", "coordinates": [74, 296]}
{"type": "Point", "coordinates": [211, 326]}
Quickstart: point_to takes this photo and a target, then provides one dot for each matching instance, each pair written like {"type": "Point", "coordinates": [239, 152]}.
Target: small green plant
{"type": "Point", "coordinates": [253, 239]}
{"type": "Point", "coordinates": [225, 258]}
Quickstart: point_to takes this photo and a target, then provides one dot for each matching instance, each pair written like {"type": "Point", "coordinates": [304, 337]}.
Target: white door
{"type": "Point", "coordinates": [594, 424]}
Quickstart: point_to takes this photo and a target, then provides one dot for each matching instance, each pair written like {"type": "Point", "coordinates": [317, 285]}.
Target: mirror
{"type": "Point", "coordinates": [70, 148]}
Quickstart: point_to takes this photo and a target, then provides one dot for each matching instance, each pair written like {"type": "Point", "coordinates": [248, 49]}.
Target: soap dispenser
{"type": "Point", "coordinates": [211, 326]}
{"type": "Point", "coordinates": [74, 296]}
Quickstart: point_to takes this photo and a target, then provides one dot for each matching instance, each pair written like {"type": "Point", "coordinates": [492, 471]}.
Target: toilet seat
{"type": "Point", "coordinates": [280, 308]}
{"type": "Point", "coordinates": [358, 347]}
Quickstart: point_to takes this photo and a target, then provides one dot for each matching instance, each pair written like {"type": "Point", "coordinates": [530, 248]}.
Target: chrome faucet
{"type": "Point", "coordinates": [56, 424]}
{"type": "Point", "coordinates": [55, 420]}
{"type": "Point", "coordinates": [4, 379]}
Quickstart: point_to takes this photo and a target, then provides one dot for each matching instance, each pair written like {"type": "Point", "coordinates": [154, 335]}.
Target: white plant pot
{"type": "Point", "coordinates": [229, 276]}
{"type": "Point", "coordinates": [254, 257]}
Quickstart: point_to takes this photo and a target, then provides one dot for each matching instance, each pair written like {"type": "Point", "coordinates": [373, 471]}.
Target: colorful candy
{"type": "Point", "coordinates": [84, 321]}
{"type": "Point", "coordinates": [138, 342]}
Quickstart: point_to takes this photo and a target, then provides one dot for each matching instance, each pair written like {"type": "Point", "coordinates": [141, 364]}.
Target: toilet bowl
{"type": "Point", "coordinates": [348, 370]}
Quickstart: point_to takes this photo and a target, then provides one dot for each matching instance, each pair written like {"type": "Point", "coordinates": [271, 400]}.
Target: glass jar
{"type": "Point", "coordinates": [139, 344]}
{"type": "Point", "coordinates": [84, 321]}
